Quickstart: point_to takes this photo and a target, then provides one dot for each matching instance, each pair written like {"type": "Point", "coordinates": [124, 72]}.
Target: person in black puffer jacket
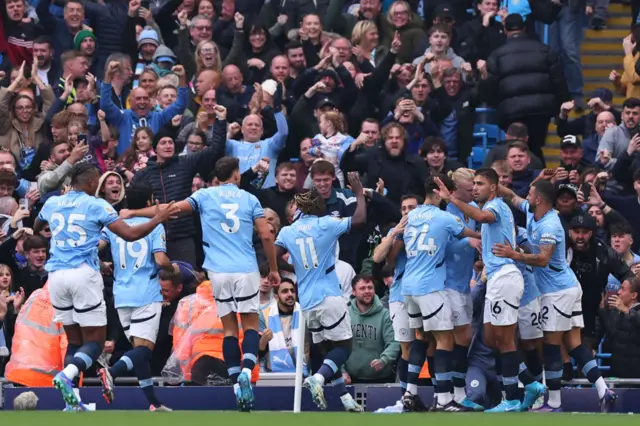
{"type": "Point", "coordinates": [170, 175]}
{"type": "Point", "coordinates": [621, 320]}
{"type": "Point", "coordinates": [526, 83]}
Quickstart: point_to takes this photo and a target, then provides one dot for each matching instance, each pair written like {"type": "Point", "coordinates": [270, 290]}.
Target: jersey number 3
{"type": "Point", "coordinates": [234, 221]}
{"type": "Point", "coordinates": [57, 223]}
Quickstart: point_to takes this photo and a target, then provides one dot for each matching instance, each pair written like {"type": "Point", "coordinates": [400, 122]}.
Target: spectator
{"type": "Point", "coordinates": [525, 83]}
{"type": "Point", "coordinates": [375, 349]}
{"type": "Point", "coordinates": [615, 140]}
{"type": "Point", "coordinates": [401, 19]}
{"type": "Point", "coordinates": [585, 125]}
{"type": "Point", "coordinates": [519, 161]}
{"type": "Point", "coordinates": [140, 114]}
{"type": "Point", "coordinates": [626, 83]}
{"type": "Point", "coordinates": [63, 31]}
{"type": "Point", "coordinates": [64, 159]}
{"type": "Point", "coordinates": [279, 323]}
{"type": "Point", "coordinates": [593, 262]}
{"type": "Point", "coordinates": [620, 314]}
{"type": "Point", "coordinates": [590, 144]}
{"type": "Point", "coordinates": [439, 48]}
{"type": "Point", "coordinates": [402, 172]}
{"type": "Point", "coordinates": [621, 240]}
{"type": "Point", "coordinates": [483, 34]}
{"type": "Point", "coordinates": [171, 175]}
{"type": "Point", "coordinates": [515, 132]}
{"type": "Point", "coordinates": [435, 154]}
{"type": "Point", "coordinates": [277, 197]}
{"type": "Point", "coordinates": [302, 167]}
{"type": "Point", "coordinates": [572, 160]}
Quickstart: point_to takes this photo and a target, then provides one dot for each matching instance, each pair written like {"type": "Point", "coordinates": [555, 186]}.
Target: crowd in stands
{"type": "Point", "coordinates": [310, 90]}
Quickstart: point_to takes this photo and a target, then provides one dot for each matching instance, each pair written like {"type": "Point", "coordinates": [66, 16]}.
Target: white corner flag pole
{"type": "Point", "coordinates": [297, 398]}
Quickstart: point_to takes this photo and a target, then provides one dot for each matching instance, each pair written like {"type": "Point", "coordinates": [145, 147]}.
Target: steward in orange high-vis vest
{"type": "Point", "coordinates": [39, 343]}
{"type": "Point", "coordinates": [198, 332]}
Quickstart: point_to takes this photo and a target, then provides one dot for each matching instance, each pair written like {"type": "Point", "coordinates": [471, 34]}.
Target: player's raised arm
{"type": "Point", "coordinates": [480, 216]}
{"type": "Point", "coordinates": [390, 246]}
{"type": "Point", "coordinates": [510, 197]}
{"type": "Point", "coordinates": [134, 233]}
{"type": "Point", "coordinates": [164, 263]}
{"type": "Point", "coordinates": [179, 208]}
{"type": "Point", "coordinates": [360, 215]}
{"type": "Point", "coordinates": [268, 240]}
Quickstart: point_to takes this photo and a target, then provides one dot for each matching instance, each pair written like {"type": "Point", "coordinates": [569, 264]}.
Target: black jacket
{"type": "Point", "coordinates": [623, 333]}
{"type": "Point", "coordinates": [272, 197]}
{"type": "Point", "coordinates": [464, 103]}
{"type": "Point", "coordinates": [584, 126]}
{"type": "Point", "coordinates": [525, 80]}
{"type": "Point", "coordinates": [402, 175]}
{"type": "Point", "coordinates": [171, 180]}
{"type": "Point", "coordinates": [592, 268]}
{"type": "Point", "coordinates": [477, 41]}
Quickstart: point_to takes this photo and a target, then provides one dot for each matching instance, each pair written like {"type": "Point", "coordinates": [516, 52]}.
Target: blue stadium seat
{"type": "Point", "coordinates": [493, 132]}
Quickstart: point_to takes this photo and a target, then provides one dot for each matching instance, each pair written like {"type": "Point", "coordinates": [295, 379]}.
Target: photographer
{"type": "Point", "coordinates": [615, 140]}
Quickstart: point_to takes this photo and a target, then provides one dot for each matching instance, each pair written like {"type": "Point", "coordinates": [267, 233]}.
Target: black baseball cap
{"type": "Point", "coordinates": [570, 140]}
{"type": "Point", "coordinates": [325, 102]}
{"type": "Point", "coordinates": [583, 221]}
{"type": "Point", "coordinates": [443, 11]}
{"type": "Point", "coordinates": [514, 22]}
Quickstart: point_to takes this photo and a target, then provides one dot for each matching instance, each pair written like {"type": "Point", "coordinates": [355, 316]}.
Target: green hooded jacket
{"type": "Point", "coordinates": [373, 338]}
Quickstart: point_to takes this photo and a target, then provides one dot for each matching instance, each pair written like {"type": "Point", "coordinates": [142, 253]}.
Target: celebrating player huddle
{"type": "Point", "coordinates": [529, 286]}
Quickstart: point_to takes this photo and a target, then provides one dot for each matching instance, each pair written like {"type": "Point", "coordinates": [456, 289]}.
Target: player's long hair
{"type": "Point", "coordinates": [310, 202]}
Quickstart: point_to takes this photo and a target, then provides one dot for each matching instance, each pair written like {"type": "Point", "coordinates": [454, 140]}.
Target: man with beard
{"type": "Point", "coordinates": [43, 52]}
{"type": "Point", "coordinates": [64, 159]}
{"type": "Point", "coordinates": [279, 323]}
{"type": "Point", "coordinates": [561, 294]}
{"type": "Point", "coordinates": [594, 263]}
{"type": "Point", "coordinates": [140, 114]}
{"type": "Point", "coordinates": [277, 197]}
{"type": "Point", "coordinates": [402, 172]}
{"type": "Point", "coordinates": [85, 43]}
{"type": "Point", "coordinates": [297, 61]}
{"type": "Point", "coordinates": [615, 140]}
{"type": "Point", "coordinates": [375, 349]}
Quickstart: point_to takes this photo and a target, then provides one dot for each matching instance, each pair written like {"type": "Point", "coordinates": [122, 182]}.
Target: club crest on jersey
{"type": "Point", "coordinates": [163, 238]}
{"type": "Point", "coordinates": [109, 209]}
{"type": "Point", "coordinates": [458, 219]}
{"type": "Point", "coordinates": [256, 146]}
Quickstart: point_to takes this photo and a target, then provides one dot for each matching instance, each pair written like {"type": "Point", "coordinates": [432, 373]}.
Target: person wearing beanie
{"type": "Point", "coordinates": [148, 42]}
{"type": "Point", "coordinates": [80, 37]}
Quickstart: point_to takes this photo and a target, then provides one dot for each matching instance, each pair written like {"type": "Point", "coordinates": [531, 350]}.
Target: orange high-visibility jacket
{"type": "Point", "coordinates": [39, 343]}
{"type": "Point", "coordinates": [204, 335]}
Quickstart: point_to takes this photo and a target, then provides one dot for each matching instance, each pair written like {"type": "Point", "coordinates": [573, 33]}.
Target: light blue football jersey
{"type": "Point", "coordinates": [530, 288]}
{"type": "Point", "coordinates": [612, 282]}
{"type": "Point", "coordinates": [426, 236]}
{"type": "Point", "coordinates": [76, 220]}
{"type": "Point", "coordinates": [501, 231]}
{"type": "Point", "coordinates": [557, 275]}
{"type": "Point", "coordinates": [134, 266]}
{"type": "Point", "coordinates": [227, 214]}
{"type": "Point", "coordinates": [395, 292]}
{"type": "Point", "coordinates": [250, 153]}
{"type": "Point", "coordinates": [311, 243]}
{"type": "Point", "coordinates": [459, 255]}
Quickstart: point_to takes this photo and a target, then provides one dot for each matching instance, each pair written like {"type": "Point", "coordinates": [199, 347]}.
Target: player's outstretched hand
{"type": "Point", "coordinates": [476, 244]}
{"type": "Point", "coordinates": [356, 183]}
{"type": "Point", "coordinates": [503, 250]}
{"type": "Point", "coordinates": [442, 190]}
{"type": "Point", "coordinates": [274, 278]}
{"type": "Point", "coordinates": [165, 211]}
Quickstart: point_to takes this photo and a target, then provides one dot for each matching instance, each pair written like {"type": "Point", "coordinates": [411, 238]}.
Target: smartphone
{"type": "Point", "coordinates": [586, 190]}
{"type": "Point", "coordinates": [549, 172]}
{"type": "Point", "coordinates": [145, 4]}
{"type": "Point", "coordinates": [33, 186]}
{"type": "Point", "coordinates": [82, 138]}
{"type": "Point", "coordinates": [24, 203]}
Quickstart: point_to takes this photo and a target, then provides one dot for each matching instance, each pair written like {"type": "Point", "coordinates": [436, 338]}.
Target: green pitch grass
{"type": "Point", "coordinates": [194, 418]}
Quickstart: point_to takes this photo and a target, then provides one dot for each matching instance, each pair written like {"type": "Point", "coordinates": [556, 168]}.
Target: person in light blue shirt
{"type": "Point", "coordinates": [137, 296]}
{"type": "Point", "coordinates": [311, 244]}
{"type": "Point", "coordinates": [427, 234]}
{"type": "Point", "coordinates": [459, 258]}
{"type": "Point", "coordinates": [504, 281]}
{"type": "Point", "coordinates": [390, 248]}
{"type": "Point", "coordinates": [529, 326]}
{"type": "Point", "coordinates": [76, 220]}
{"type": "Point", "coordinates": [228, 215]}
{"type": "Point", "coordinates": [561, 295]}
{"type": "Point", "coordinates": [252, 148]}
